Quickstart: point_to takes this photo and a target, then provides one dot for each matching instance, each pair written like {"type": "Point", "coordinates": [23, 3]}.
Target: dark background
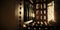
{"type": "Point", "coordinates": [7, 14]}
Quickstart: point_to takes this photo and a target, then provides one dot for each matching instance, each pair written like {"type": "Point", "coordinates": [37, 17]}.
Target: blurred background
{"type": "Point", "coordinates": [10, 14]}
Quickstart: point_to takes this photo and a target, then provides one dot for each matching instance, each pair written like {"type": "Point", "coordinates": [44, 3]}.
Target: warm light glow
{"type": "Point", "coordinates": [24, 25]}
{"type": "Point", "coordinates": [44, 11]}
{"type": "Point", "coordinates": [41, 23]}
{"type": "Point", "coordinates": [45, 23]}
{"type": "Point", "coordinates": [37, 6]}
{"type": "Point", "coordinates": [19, 10]}
{"type": "Point", "coordinates": [44, 5]}
{"type": "Point", "coordinates": [31, 13]}
{"type": "Point", "coordinates": [38, 22]}
{"type": "Point", "coordinates": [39, 28]}
{"type": "Point", "coordinates": [44, 17]}
{"type": "Point", "coordinates": [31, 1]}
{"type": "Point", "coordinates": [33, 24]}
{"type": "Point", "coordinates": [28, 22]}
{"type": "Point", "coordinates": [51, 12]}
{"type": "Point", "coordinates": [41, 11]}
{"type": "Point", "coordinates": [41, 17]}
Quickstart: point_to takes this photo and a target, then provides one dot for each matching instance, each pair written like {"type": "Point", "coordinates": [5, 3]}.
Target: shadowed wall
{"type": "Point", "coordinates": [7, 15]}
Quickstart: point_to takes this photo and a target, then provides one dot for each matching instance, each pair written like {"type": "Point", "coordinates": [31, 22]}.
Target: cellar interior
{"type": "Point", "coordinates": [30, 15]}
